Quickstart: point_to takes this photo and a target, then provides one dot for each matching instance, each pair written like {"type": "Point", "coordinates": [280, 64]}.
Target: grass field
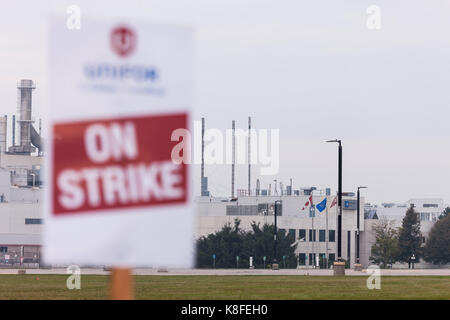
{"type": "Point", "coordinates": [229, 287]}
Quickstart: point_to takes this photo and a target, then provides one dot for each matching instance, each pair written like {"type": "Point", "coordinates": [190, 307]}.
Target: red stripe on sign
{"type": "Point", "coordinates": [117, 163]}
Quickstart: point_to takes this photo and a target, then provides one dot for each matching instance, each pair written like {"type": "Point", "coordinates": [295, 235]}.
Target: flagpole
{"type": "Point", "coordinates": [313, 234]}
{"type": "Point", "coordinates": [327, 234]}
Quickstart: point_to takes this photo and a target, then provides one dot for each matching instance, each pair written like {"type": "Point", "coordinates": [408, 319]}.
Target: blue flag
{"type": "Point", "coordinates": [322, 205]}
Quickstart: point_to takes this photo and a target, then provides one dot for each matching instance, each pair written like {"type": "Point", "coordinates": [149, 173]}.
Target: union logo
{"type": "Point", "coordinates": [123, 41]}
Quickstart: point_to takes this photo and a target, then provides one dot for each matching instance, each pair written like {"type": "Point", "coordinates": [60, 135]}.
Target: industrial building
{"type": "Point", "coordinates": [20, 185]}
{"type": "Point", "coordinates": [316, 237]}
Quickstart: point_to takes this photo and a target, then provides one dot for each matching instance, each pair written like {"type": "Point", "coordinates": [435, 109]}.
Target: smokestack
{"type": "Point", "coordinates": [25, 90]}
{"type": "Point", "coordinates": [203, 180]}
{"type": "Point", "coordinates": [257, 187]}
{"type": "Point", "coordinates": [249, 154]}
{"type": "Point", "coordinates": [3, 133]}
{"type": "Point", "coordinates": [14, 130]}
{"type": "Point", "coordinates": [26, 130]}
{"type": "Point", "coordinates": [40, 133]}
{"type": "Point", "coordinates": [233, 154]}
{"type": "Point", "coordinates": [270, 189]}
{"type": "Point", "coordinates": [203, 148]}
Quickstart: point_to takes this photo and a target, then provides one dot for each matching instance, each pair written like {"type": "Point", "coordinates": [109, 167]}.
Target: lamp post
{"type": "Point", "coordinates": [339, 267]}
{"type": "Point", "coordinates": [275, 233]}
{"type": "Point", "coordinates": [358, 266]}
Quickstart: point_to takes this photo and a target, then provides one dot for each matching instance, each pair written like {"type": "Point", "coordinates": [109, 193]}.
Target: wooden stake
{"type": "Point", "coordinates": [121, 284]}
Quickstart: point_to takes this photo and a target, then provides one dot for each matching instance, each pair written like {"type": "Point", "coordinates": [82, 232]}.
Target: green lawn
{"type": "Point", "coordinates": [230, 287]}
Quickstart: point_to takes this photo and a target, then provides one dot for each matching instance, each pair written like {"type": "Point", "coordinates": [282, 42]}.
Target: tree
{"type": "Point", "coordinates": [226, 244]}
{"type": "Point", "coordinates": [410, 237]}
{"type": "Point", "coordinates": [444, 213]}
{"type": "Point", "coordinates": [230, 242]}
{"type": "Point", "coordinates": [385, 249]}
{"type": "Point", "coordinates": [437, 247]}
{"type": "Point", "coordinates": [259, 243]}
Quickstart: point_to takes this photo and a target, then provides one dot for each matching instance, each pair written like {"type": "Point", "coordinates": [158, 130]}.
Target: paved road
{"type": "Point", "coordinates": [224, 272]}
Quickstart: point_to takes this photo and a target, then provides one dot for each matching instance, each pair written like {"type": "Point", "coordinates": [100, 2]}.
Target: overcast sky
{"type": "Point", "coordinates": [309, 68]}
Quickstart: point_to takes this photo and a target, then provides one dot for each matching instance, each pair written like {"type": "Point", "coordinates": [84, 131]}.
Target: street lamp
{"type": "Point", "coordinates": [413, 259]}
{"type": "Point", "coordinates": [339, 194]}
{"type": "Point", "coordinates": [339, 266]}
{"type": "Point", "coordinates": [275, 233]}
{"type": "Point", "coordinates": [357, 225]}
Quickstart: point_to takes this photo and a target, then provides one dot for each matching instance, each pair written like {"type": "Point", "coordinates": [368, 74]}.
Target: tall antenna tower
{"type": "Point", "coordinates": [249, 154]}
{"type": "Point", "coordinates": [233, 154]}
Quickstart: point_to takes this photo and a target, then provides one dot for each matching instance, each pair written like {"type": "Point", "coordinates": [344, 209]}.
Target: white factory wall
{"type": "Point", "coordinates": [212, 217]}
{"type": "Point", "coordinates": [19, 161]}
{"type": "Point", "coordinates": [13, 215]}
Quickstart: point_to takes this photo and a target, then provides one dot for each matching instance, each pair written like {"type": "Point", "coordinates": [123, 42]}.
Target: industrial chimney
{"type": "Point", "coordinates": [233, 154]}
{"type": "Point", "coordinates": [3, 133]}
{"type": "Point", "coordinates": [28, 134]}
{"type": "Point", "coordinates": [249, 155]}
{"type": "Point", "coordinates": [203, 180]}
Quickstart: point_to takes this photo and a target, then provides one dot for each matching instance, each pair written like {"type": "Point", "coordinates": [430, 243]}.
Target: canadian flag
{"type": "Point", "coordinates": [333, 203]}
{"type": "Point", "coordinates": [307, 203]}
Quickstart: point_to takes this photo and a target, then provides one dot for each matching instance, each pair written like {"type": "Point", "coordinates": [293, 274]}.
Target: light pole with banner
{"type": "Point", "coordinates": [358, 266]}
{"type": "Point", "coordinates": [275, 234]}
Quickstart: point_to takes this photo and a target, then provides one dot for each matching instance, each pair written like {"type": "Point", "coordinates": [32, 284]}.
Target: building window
{"type": "Point", "coordinates": [302, 235]}
{"type": "Point", "coordinates": [312, 235]}
{"type": "Point", "coordinates": [332, 257]}
{"type": "Point", "coordinates": [282, 231]}
{"type": "Point", "coordinates": [302, 259]}
{"type": "Point", "coordinates": [3, 249]}
{"type": "Point", "coordinates": [292, 233]}
{"type": "Point", "coordinates": [33, 221]}
{"type": "Point", "coordinates": [322, 235]}
{"type": "Point", "coordinates": [312, 257]}
{"type": "Point", "coordinates": [430, 205]}
{"type": "Point", "coordinates": [322, 260]}
{"type": "Point", "coordinates": [332, 235]}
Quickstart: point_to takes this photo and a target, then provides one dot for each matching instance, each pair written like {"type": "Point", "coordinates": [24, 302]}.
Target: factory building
{"type": "Point", "coordinates": [20, 186]}
{"type": "Point", "coordinates": [316, 237]}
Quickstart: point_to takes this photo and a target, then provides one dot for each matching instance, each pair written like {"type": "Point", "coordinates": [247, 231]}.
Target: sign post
{"type": "Point", "coordinates": [121, 284]}
{"type": "Point", "coordinates": [118, 148]}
